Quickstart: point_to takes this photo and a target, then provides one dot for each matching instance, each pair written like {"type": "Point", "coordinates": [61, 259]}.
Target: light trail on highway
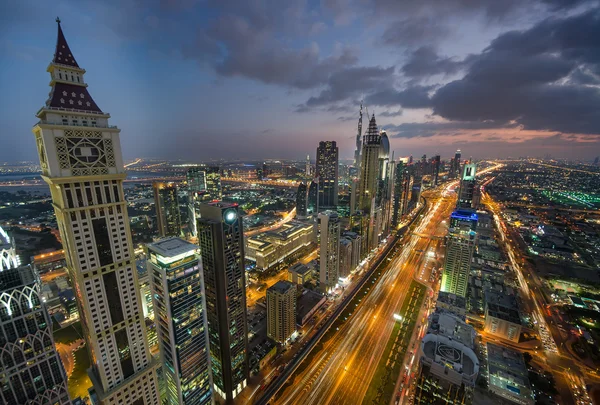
{"type": "Point", "coordinates": [340, 373]}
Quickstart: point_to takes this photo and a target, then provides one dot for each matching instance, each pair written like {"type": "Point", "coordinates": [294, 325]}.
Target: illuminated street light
{"type": "Point", "coordinates": [398, 317]}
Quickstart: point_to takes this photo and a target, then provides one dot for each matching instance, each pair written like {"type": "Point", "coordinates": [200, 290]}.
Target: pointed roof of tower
{"type": "Point", "coordinates": [372, 125]}
{"type": "Point", "coordinates": [63, 54]}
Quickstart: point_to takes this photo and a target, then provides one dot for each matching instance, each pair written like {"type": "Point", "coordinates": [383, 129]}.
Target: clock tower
{"type": "Point", "coordinates": [80, 157]}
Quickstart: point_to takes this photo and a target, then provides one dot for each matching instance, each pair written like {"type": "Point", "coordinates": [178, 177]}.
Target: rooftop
{"type": "Point", "coordinates": [171, 247]}
{"type": "Point", "coordinates": [281, 287]}
{"type": "Point", "coordinates": [300, 268]}
{"type": "Point", "coordinates": [502, 306]}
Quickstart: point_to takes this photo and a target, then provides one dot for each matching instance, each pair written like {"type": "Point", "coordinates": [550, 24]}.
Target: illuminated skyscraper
{"type": "Point", "coordinates": [329, 250]}
{"type": "Point", "coordinates": [327, 171]}
{"type": "Point", "coordinates": [32, 372]}
{"type": "Point", "coordinates": [80, 158]}
{"type": "Point", "coordinates": [214, 191]}
{"type": "Point", "coordinates": [221, 240]}
{"type": "Point", "coordinates": [313, 198]}
{"type": "Point", "coordinates": [166, 202]}
{"type": "Point", "coordinates": [456, 168]}
{"type": "Point", "coordinates": [301, 201]}
{"type": "Point", "coordinates": [460, 245]}
{"type": "Point", "coordinates": [281, 311]}
{"type": "Point", "coordinates": [369, 168]}
{"type": "Point", "coordinates": [400, 192]}
{"type": "Point", "coordinates": [466, 190]}
{"type": "Point", "coordinates": [196, 186]}
{"type": "Point", "coordinates": [179, 306]}
{"type": "Point", "coordinates": [357, 151]}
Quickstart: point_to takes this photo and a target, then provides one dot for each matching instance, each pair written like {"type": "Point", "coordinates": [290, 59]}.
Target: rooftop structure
{"type": "Point", "coordinates": [508, 376]}
{"type": "Point", "coordinates": [502, 315]}
{"type": "Point", "coordinates": [448, 364]}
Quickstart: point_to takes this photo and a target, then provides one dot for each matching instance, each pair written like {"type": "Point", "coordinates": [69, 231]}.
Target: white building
{"type": "Point", "coordinates": [329, 250]}
{"type": "Point", "coordinates": [80, 158]}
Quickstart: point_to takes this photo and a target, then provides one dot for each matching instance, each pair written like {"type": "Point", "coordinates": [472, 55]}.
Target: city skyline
{"type": "Point", "coordinates": [412, 65]}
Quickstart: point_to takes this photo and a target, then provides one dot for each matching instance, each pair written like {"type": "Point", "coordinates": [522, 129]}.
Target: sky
{"type": "Point", "coordinates": [267, 79]}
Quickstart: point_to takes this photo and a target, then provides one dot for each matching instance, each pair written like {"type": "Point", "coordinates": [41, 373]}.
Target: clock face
{"type": "Point", "coordinates": [86, 152]}
{"type": "Point", "coordinates": [230, 216]}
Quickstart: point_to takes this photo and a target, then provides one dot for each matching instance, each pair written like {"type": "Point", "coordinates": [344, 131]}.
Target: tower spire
{"type": "Point", "coordinates": [62, 54]}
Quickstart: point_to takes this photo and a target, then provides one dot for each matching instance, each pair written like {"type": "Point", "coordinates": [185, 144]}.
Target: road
{"type": "Point", "coordinates": [286, 218]}
{"type": "Point", "coordinates": [66, 353]}
{"type": "Point", "coordinates": [554, 353]}
{"type": "Point", "coordinates": [340, 373]}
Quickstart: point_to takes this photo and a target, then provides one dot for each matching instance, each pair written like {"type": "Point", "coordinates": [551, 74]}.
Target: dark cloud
{"type": "Point", "coordinates": [432, 128]}
{"type": "Point", "coordinates": [522, 77]}
{"type": "Point", "coordinates": [352, 82]}
{"type": "Point", "coordinates": [391, 113]}
{"type": "Point", "coordinates": [425, 61]}
{"type": "Point", "coordinates": [414, 31]}
{"type": "Point", "coordinates": [411, 97]}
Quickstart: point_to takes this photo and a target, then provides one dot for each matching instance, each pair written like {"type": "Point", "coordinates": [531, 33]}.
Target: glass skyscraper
{"type": "Point", "coordinates": [168, 216]}
{"type": "Point", "coordinates": [221, 240]}
{"type": "Point", "coordinates": [179, 312]}
{"type": "Point", "coordinates": [327, 172]}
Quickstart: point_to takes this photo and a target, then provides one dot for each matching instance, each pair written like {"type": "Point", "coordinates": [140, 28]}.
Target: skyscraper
{"type": "Point", "coordinates": [327, 171]}
{"type": "Point", "coordinates": [180, 314]}
{"type": "Point", "coordinates": [301, 201]}
{"type": "Point", "coordinates": [357, 151]}
{"type": "Point", "coordinates": [467, 186]}
{"type": "Point", "coordinates": [32, 372]}
{"type": "Point", "coordinates": [400, 178]}
{"type": "Point", "coordinates": [196, 184]}
{"type": "Point", "coordinates": [456, 168]}
{"type": "Point", "coordinates": [329, 250]}
{"type": "Point", "coordinates": [307, 169]}
{"type": "Point", "coordinates": [436, 169]}
{"type": "Point", "coordinates": [459, 252]}
{"type": "Point", "coordinates": [369, 168]}
{"type": "Point", "coordinates": [221, 240]}
{"type": "Point", "coordinates": [313, 197]}
{"type": "Point", "coordinates": [80, 158]}
{"type": "Point", "coordinates": [281, 311]}
{"type": "Point", "coordinates": [166, 202]}
{"type": "Point", "coordinates": [214, 191]}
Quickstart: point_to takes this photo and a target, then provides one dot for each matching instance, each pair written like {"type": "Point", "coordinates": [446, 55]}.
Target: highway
{"type": "Point", "coordinates": [553, 355]}
{"type": "Point", "coordinates": [340, 373]}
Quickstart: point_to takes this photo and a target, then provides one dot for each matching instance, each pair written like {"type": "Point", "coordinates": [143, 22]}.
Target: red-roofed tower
{"type": "Point", "coordinates": [80, 156]}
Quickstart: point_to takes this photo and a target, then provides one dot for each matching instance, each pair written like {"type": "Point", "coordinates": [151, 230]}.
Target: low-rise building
{"type": "Point", "coordinates": [272, 248]}
{"type": "Point", "coordinates": [307, 305]}
{"type": "Point", "coordinates": [452, 303]}
{"type": "Point", "coordinates": [507, 375]}
{"type": "Point", "coordinates": [502, 315]}
{"type": "Point", "coordinates": [448, 365]}
{"type": "Point", "coordinates": [299, 273]}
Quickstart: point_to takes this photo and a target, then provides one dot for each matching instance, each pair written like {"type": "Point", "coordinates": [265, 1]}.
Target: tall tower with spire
{"type": "Point", "coordinates": [369, 167]}
{"type": "Point", "coordinates": [80, 157]}
{"type": "Point", "coordinates": [358, 139]}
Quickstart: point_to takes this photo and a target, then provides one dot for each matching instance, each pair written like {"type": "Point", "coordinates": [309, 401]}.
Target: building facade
{"type": "Point", "coordinates": [369, 167]}
{"type": "Point", "coordinates": [281, 311]}
{"type": "Point", "coordinates": [180, 315]}
{"type": "Point", "coordinates": [80, 158]}
{"type": "Point", "coordinates": [276, 247]}
{"type": "Point", "coordinates": [327, 172]}
{"type": "Point", "coordinates": [166, 203]}
{"type": "Point", "coordinates": [32, 372]}
{"type": "Point", "coordinates": [221, 240]}
{"type": "Point", "coordinates": [329, 250]}
{"type": "Point", "coordinates": [466, 191]}
{"type": "Point", "coordinates": [214, 190]}
{"type": "Point", "coordinates": [460, 245]}
{"type": "Point", "coordinates": [196, 188]}
{"type": "Point", "coordinates": [302, 201]}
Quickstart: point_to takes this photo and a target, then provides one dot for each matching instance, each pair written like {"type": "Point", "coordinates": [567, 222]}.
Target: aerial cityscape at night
{"type": "Point", "coordinates": [312, 202]}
